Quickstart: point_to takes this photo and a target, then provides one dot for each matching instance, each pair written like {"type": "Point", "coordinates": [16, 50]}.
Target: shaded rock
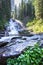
{"type": "Point", "coordinates": [41, 45]}
{"type": "Point", "coordinates": [2, 44]}
{"type": "Point", "coordinates": [14, 49]}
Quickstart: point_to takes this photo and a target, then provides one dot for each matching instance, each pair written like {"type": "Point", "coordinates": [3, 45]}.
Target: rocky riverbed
{"type": "Point", "coordinates": [17, 45]}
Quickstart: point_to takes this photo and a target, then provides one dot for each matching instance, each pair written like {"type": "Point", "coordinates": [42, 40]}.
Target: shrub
{"type": "Point", "coordinates": [36, 26]}
{"type": "Point", "coordinates": [31, 56]}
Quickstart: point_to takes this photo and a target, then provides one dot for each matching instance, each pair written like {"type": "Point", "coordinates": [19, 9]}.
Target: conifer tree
{"type": "Point", "coordinates": [39, 9]}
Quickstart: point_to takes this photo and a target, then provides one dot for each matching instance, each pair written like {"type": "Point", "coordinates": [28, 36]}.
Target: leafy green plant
{"type": "Point", "coordinates": [32, 56]}
{"type": "Point", "coordinates": [36, 25]}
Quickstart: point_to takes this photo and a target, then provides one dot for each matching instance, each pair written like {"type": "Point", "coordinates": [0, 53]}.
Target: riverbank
{"type": "Point", "coordinates": [16, 46]}
{"type": "Point", "coordinates": [31, 55]}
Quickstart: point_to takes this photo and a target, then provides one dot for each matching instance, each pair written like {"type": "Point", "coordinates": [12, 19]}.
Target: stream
{"type": "Point", "coordinates": [17, 45]}
{"type": "Point", "coordinates": [14, 43]}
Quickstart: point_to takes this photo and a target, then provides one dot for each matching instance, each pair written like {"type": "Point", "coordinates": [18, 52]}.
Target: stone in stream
{"type": "Point", "coordinates": [15, 48]}
{"type": "Point", "coordinates": [2, 44]}
{"type": "Point", "coordinates": [41, 43]}
{"type": "Point", "coordinates": [8, 39]}
{"type": "Point", "coordinates": [29, 41]}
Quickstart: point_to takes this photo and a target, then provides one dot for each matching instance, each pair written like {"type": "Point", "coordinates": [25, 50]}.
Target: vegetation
{"type": "Point", "coordinates": [15, 12]}
{"type": "Point", "coordinates": [38, 9]}
{"type": "Point", "coordinates": [31, 56]}
{"type": "Point", "coordinates": [36, 25]}
{"type": "Point", "coordinates": [2, 24]}
{"type": "Point", "coordinates": [25, 9]}
{"type": "Point", "coordinates": [5, 12]}
{"type": "Point", "coordinates": [30, 10]}
{"type": "Point", "coordinates": [5, 9]}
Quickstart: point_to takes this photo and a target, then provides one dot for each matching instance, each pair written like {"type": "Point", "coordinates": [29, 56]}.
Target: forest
{"type": "Point", "coordinates": [21, 32]}
{"type": "Point", "coordinates": [30, 12]}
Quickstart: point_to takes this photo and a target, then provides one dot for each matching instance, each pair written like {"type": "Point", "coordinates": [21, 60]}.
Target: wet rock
{"type": "Point", "coordinates": [2, 44]}
{"type": "Point", "coordinates": [41, 45]}
{"type": "Point", "coordinates": [35, 37]}
{"type": "Point", "coordinates": [8, 39]}
{"type": "Point", "coordinates": [24, 38]}
{"type": "Point", "coordinates": [14, 48]}
{"type": "Point", "coordinates": [3, 61]}
{"type": "Point", "coordinates": [25, 33]}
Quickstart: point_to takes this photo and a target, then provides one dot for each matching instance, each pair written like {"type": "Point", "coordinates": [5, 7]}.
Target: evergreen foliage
{"type": "Point", "coordinates": [39, 9]}
{"type": "Point", "coordinates": [5, 9]}
{"type": "Point", "coordinates": [5, 12]}
{"type": "Point", "coordinates": [15, 14]}
{"type": "Point", "coordinates": [25, 9]}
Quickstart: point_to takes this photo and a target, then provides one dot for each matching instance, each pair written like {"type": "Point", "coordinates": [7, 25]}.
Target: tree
{"type": "Point", "coordinates": [5, 12]}
{"type": "Point", "coordinates": [21, 10]}
{"type": "Point", "coordinates": [5, 9]}
{"type": "Point", "coordinates": [15, 14]}
{"type": "Point", "coordinates": [39, 9]}
{"type": "Point", "coordinates": [26, 9]}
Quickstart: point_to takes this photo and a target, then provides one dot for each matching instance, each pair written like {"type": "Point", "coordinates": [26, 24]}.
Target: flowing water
{"type": "Point", "coordinates": [17, 44]}
{"type": "Point", "coordinates": [12, 27]}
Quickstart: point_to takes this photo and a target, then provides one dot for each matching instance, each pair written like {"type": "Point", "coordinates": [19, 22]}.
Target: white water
{"type": "Point", "coordinates": [12, 27]}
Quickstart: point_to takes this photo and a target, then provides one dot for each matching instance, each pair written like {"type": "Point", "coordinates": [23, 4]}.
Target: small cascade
{"type": "Point", "coordinates": [12, 28]}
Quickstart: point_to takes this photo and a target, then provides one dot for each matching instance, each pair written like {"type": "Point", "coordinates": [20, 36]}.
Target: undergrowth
{"type": "Point", "coordinates": [31, 56]}
{"type": "Point", "coordinates": [36, 26]}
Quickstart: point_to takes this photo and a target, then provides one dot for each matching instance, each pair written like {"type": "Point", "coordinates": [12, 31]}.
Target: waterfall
{"type": "Point", "coordinates": [12, 28]}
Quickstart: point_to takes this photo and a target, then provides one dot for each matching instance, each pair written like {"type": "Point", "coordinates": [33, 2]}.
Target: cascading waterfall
{"type": "Point", "coordinates": [13, 28]}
